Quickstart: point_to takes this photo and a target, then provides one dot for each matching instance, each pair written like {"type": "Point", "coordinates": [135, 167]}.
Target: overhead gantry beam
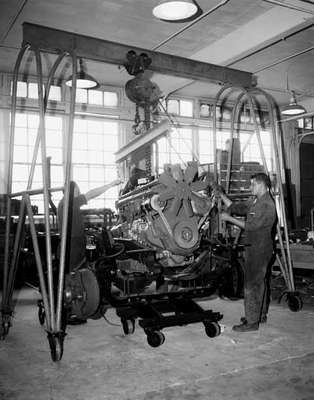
{"type": "Point", "coordinates": [53, 41]}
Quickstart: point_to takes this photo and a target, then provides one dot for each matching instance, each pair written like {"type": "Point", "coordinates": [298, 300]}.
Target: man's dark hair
{"type": "Point", "coordinates": [262, 177]}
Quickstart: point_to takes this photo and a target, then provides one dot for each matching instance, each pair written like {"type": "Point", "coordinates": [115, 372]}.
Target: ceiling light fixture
{"type": "Point", "coordinates": [293, 108]}
{"type": "Point", "coordinates": [175, 10]}
{"type": "Point", "coordinates": [83, 80]}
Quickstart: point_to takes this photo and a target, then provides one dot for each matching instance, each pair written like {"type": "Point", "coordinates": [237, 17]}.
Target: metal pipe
{"type": "Point", "coordinates": [35, 191]}
{"type": "Point", "coordinates": [133, 197]}
{"type": "Point", "coordinates": [257, 131]}
{"type": "Point", "coordinates": [282, 269]}
{"type": "Point", "coordinates": [302, 27]}
{"type": "Point", "coordinates": [190, 24]}
{"type": "Point", "coordinates": [138, 190]}
{"type": "Point", "coordinates": [48, 302]}
{"type": "Point", "coordinates": [39, 265]}
{"type": "Point", "coordinates": [286, 259]}
{"type": "Point", "coordinates": [284, 59]}
{"type": "Point", "coordinates": [45, 187]}
{"type": "Point", "coordinates": [66, 194]}
{"type": "Point", "coordinates": [277, 158]}
{"type": "Point", "coordinates": [225, 87]}
{"type": "Point", "coordinates": [10, 168]}
{"type": "Point", "coordinates": [234, 117]}
{"type": "Point", "coordinates": [15, 254]}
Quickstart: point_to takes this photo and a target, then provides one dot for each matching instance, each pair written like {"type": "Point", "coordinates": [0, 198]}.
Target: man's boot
{"type": "Point", "coordinates": [246, 327]}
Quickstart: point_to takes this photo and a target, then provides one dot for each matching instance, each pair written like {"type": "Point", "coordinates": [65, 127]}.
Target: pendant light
{"type": "Point", "coordinates": [293, 108]}
{"type": "Point", "coordinates": [83, 80]}
{"type": "Point", "coordinates": [175, 10]}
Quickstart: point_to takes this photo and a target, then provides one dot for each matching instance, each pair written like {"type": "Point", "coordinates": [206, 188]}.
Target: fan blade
{"type": "Point", "coordinates": [198, 185]}
{"type": "Point", "coordinates": [188, 207]}
{"type": "Point", "coordinates": [175, 206]}
{"type": "Point", "coordinates": [166, 195]}
{"type": "Point", "coordinates": [167, 180]}
{"type": "Point", "coordinates": [177, 173]}
{"type": "Point", "coordinates": [190, 172]}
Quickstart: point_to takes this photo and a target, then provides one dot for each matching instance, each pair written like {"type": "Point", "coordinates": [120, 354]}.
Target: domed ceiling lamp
{"type": "Point", "coordinates": [83, 80]}
{"type": "Point", "coordinates": [176, 10]}
{"type": "Point", "coordinates": [293, 108]}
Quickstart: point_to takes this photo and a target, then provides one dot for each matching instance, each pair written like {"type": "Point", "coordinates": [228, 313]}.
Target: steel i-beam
{"type": "Point", "coordinates": [53, 41]}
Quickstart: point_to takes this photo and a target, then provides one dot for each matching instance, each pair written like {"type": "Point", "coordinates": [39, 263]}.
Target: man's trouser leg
{"type": "Point", "coordinates": [254, 286]}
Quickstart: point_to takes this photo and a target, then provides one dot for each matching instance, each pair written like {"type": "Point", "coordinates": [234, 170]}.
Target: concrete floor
{"type": "Point", "coordinates": [100, 363]}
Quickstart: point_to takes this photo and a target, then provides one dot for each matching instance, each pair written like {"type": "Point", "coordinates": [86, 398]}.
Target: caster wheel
{"type": "Point", "coordinates": [128, 326]}
{"type": "Point", "coordinates": [212, 329]}
{"type": "Point", "coordinates": [155, 339]}
{"type": "Point", "coordinates": [41, 315]}
{"type": "Point", "coordinates": [56, 346]}
{"type": "Point", "coordinates": [295, 302]}
{"type": "Point", "coordinates": [4, 329]}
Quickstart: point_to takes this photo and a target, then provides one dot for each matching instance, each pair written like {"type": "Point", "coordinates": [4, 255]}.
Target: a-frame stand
{"type": "Point", "coordinates": [52, 293]}
{"type": "Point", "coordinates": [283, 255]}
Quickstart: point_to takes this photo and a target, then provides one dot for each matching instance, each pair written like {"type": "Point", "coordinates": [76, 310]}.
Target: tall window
{"type": "Point", "coordinates": [176, 148]}
{"type": "Point", "coordinates": [181, 149]}
{"type": "Point", "coordinates": [94, 143]}
{"type": "Point", "coordinates": [251, 151]}
{"type": "Point", "coordinates": [26, 128]}
{"type": "Point", "coordinates": [205, 144]}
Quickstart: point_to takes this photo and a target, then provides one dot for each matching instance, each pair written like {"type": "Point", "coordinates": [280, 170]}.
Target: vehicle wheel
{"type": "Point", "coordinates": [212, 329]}
{"type": "Point", "coordinates": [155, 338]}
{"type": "Point", "coordinates": [295, 302]}
{"type": "Point", "coordinates": [128, 326]}
{"type": "Point", "coordinates": [232, 282]}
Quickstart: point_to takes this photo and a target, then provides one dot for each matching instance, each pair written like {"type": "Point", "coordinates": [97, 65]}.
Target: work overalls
{"type": "Point", "coordinates": [259, 240]}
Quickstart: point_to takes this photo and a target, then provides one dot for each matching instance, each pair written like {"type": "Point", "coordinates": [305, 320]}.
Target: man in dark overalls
{"type": "Point", "coordinates": [260, 213]}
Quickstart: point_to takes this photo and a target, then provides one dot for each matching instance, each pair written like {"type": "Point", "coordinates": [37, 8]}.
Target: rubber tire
{"type": "Point", "coordinates": [155, 338]}
{"type": "Point", "coordinates": [295, 303]}
{"type": "Point", "coordinates": [212, 329]}
{"type": "Point", "coordinates": [128, 326]}
{"type": "Point", "coordinates": [232, 287]}
{"type": "Point", "coordinates": [56, 347]}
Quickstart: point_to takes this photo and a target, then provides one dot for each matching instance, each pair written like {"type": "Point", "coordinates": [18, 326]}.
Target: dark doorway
{"type": "Point", "coordinates": [306, 183]}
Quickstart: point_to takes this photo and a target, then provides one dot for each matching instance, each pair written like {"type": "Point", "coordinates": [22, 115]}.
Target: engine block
{"type": "Point", "coordinates": [166, 214]}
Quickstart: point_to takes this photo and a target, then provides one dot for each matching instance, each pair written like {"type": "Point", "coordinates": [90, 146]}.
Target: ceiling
{"type": "Point", "coordinates": [273, 39]}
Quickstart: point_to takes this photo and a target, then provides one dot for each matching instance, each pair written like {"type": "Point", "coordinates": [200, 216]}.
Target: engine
{"type": "Point", "coordinates": [166, 215]}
